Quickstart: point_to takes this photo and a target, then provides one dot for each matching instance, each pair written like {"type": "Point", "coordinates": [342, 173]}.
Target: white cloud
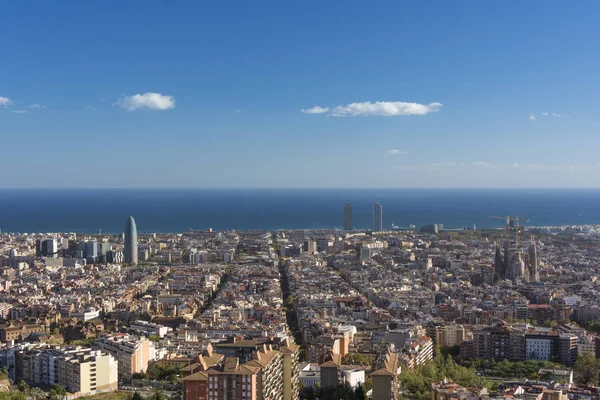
{"type": "Point", "coordinates": [379, 108]}
{"type": "Point", "coordinates": [396, 152]}
{"type": "Point", "coordinates": [5, 101]}
{"type": "Point", "coordinates": [91, 108]}
{"type": "Point", "coordinates": [483, 164]}
{"type": "Point", "coordinates": [315, 110]}
{"type": "Point", "coordinates": [385, 109]}
{"type": "Point", "coordinates": [532, 117]}
{"type": "Point", "coordinates": [148, 101]}
{"type": "Point", "coordinates": [555, 115]}
{"type": "Point", "coordinates": [36, 106]}
{"type": "Point", "coordinates": [237, 111]}
{"type": "Point", "coordinates": [19, 111]}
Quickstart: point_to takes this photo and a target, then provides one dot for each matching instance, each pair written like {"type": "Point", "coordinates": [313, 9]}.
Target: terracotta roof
{"type": "Point", "coordinates": [382, 372]}
{"type": "Point", "coordinates": [330, 364]}
{"type": "Point", "coordinates": [198, 376]}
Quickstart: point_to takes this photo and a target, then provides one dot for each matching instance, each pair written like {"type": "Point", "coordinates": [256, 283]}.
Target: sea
{"type": "Point", "coordinates": [179, 210]}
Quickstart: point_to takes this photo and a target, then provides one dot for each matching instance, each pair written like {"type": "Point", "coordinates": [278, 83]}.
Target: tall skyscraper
{"type": "Point", "coordinates": [377, 217]}
{"type": "Point", "coordinates": [131, 244]}
{"type": "Point", "coordinates": [348, 217]}
{"type": "Point", "coordinates": [91, 249]}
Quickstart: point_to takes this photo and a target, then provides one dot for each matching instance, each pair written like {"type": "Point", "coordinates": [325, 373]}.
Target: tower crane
{"type": "Point", "coordinates": [508, 220]}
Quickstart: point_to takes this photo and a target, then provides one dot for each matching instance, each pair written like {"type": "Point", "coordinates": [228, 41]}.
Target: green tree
{"type": "Point", "coordinates": [308, 393]}
{"type": "Point", "coordinates": [23, 387]}
{"type": "Point", "coordinates": [137, 396]}
{"type": "Point", "coordinates": [158, 394]}
{"type": "Point", "coordinates": [359, 392]}
{"type": "Point", "coordinates": [587, 370]}
{"type": "Point", "coordinates": [36, 393]}
{"type": "Point", "coordinates": [57, 392]}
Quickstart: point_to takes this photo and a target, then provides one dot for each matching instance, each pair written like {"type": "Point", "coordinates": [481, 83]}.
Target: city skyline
{"type": "Point", "coordinates": [502, 99]}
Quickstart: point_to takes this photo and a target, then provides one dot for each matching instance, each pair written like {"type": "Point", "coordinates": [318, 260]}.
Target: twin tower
{"type": "Point", "coordinates": [377, 217]}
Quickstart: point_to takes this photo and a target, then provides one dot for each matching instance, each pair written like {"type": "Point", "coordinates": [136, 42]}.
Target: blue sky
{"type": "Point", "coordinates": [210, 94]}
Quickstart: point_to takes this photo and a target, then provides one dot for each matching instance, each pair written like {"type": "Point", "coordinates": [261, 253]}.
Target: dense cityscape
{"type": "Point", "coordinates": [412, 313]}
{"type": "Point", "coordinates": [299, 200]}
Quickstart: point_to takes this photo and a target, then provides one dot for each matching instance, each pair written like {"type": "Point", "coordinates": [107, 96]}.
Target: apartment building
{"type": "Point", "coordinates": [271, 374]}
{"type": "Point", "coordinates": [79, 370]}
{"type": "Point", "coordinates": [132, 353]}
{"type": "Point", "coordinates": [542, 344]}
{"type": "Point", "coordinates": [385, 379]}
{"type": "Point", "coordinates": [149, 328]}
{"type": "Point", "coordinates": [232, 382]}
{"type": "Point", "coordinates": [418, 351]}
{"type": "Point", "coordinates": [449, 335]}
{"type": "Point", "coordinates": [16, 331]}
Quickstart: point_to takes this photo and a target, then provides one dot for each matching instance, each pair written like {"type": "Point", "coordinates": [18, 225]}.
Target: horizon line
{"type": "Point", "coordinates": [310, 188]}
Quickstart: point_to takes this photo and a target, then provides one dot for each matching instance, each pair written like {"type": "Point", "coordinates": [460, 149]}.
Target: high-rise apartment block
{"type": "Point", "coordinates": [79, 370]}
{"type": "Point", "coordinates": [132, 353]}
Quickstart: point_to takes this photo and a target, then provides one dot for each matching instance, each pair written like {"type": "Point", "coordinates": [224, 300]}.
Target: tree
{"type": "Point", "coordinates": [23, 387]}
{"type": "Point", "coordinates": [136, 396]}
{"type": "Point", "coordinates": [157, 394]}
{"type": "Point", "coordinates": [154, 338]}
{"type": "Point", "coordinates": [308, 393]}
{"type": "Point", "coordinates": [57, 392]}
{"type": "Point", "coordinates": [587, 370]}
{"type": "Point", "coordinates": [359, 392]}
{"type": "Point", "coordinates": [36, 393]}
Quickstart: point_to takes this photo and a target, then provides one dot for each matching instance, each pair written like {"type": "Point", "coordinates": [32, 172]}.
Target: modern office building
{"type": "Point", "coordinates": [377, 217]}
{"type": "Point", "coordinates": [131, 244]}
{"type": "Point", "coordinates": [91, 250]}
{"type": "Point", "coordinates": [47, 248]}
{"type": "Point", "coordinates": [348, 217]}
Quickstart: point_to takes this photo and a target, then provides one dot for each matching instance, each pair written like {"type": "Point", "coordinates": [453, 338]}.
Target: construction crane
{"type": "Point", "coordinates": [508, 220]}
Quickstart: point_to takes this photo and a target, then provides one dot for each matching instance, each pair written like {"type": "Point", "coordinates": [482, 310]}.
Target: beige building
{"type": "Point", "coordinates": [586, 345]}
{"type": "Point", "coordinates": [132, 353]}
{"type": "Point", "coordinates": [16, 332]}
{"type": "Point", "coordinates": [450, 335]}
{"type": "Point", "coordinates": [79, 370]}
